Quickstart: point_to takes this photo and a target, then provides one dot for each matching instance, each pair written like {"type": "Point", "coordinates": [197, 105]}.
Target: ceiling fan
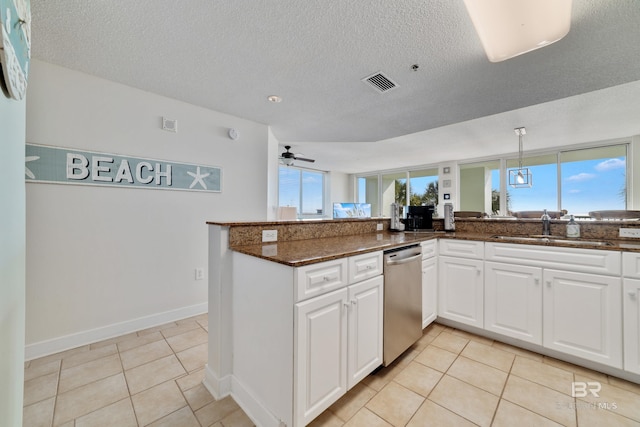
{"type": "Point", "coordinates": [288, 157]}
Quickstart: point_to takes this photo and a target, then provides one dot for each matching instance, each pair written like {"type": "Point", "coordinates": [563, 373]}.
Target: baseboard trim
{"type": "Point", "coordinates": [56, 345]}
{"type": "Point", "coordinates": [260, 415]}
{"type": "Point", "coordinates": [218, 387]}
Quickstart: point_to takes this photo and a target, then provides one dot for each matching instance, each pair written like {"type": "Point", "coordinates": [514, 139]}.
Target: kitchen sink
{"type": "Point", "coordinates": [552, 239]}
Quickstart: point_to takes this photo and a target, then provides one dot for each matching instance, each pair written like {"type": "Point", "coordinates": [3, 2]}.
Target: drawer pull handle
{"type": "Point", "coordinates": [326, 278]}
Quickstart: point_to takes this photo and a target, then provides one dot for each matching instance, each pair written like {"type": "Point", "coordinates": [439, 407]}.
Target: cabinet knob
{"type": "Point", "coordinates": [354, 301]}
{"type": "Point", "coordinates": [326, 278]}
{"type": "Point", "coordinates": [632, 294]}
{"type": "Point", "coordinates": [536, 281]}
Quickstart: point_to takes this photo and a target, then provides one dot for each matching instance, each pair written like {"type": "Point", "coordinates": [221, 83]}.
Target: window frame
{"type": "Point", "coordinates": [300, 214]}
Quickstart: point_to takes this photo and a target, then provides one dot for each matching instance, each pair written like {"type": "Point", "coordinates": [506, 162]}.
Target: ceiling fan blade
{"type": "Point", "coordinates": [304, 160]}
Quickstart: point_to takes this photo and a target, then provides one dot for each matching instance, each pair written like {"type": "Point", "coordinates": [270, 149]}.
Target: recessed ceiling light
{"type": "Point", "coordinates": [274, 98]}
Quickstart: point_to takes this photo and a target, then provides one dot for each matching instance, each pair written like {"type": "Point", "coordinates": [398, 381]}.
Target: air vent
{"type": "Point", "coordinates": [380, 82]}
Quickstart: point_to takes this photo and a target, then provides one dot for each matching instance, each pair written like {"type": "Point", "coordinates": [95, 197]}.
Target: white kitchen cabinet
{"type": "Point", "coordinates": [631, 311]}
{"type": "Point", "coordinates": [365, 308]}
{"type": "Point", "coordinates": [631, 321]}
{"type": "Point", "coordinates": [461, 290]}
{"type": "Point", "coordinates": [338, 339]}
{"type": "Point", "coordinates": [299, 343]}
{"type": "Point", "coordinates": [513, 301]}
{"type": "Point", "coordinates": [429, 282]}
{"type": "Point", "coordinates": [581, 315]}
{"type": "Point", "coordinates": [320, 354]}
{"type": "Point", "coordinates": [429, 291]}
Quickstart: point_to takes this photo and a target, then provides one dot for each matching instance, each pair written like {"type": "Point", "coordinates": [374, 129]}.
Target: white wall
{"type": "Point", "coordinates": [12, 260]}
{"type": "Point", "coordinates": [105, 261]}
{"type": "Point", "coordinates": [340, 189]}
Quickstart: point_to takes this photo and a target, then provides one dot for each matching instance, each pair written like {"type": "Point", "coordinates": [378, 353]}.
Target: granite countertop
{"type": "Point", "coordinates": [303, 252]}
{"type": "Point", "coordinates": [297, 253]}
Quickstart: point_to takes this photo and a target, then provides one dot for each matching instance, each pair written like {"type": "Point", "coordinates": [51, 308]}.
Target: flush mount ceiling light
{"type": "Point", "coordinates": [274, 98]}
{"type": "Point", "coordinates": [509, 28]}
{"type": "Point", "coordinates": [521, 177]}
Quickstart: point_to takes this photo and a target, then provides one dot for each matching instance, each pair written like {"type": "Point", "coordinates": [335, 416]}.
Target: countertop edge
{"type": "Point", "coordinates": [383, 241]}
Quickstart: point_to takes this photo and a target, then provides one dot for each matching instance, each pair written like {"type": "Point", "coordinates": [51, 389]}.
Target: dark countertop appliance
{"type": "Point", "coordinates": [418, 218]}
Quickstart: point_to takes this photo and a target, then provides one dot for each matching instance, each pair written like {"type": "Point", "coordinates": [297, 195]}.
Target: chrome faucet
{"type": "Point", "coordinates": [546, 223]}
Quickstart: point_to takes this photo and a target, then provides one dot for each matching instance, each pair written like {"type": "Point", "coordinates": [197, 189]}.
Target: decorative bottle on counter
{"type": "Point", "coordinates": [573, 228]}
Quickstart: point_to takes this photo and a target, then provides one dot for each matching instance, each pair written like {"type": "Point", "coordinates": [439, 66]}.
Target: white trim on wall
{"type": "Point", "coordinates": [56, 345]}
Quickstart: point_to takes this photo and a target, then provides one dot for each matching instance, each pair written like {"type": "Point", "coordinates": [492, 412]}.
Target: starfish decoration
{"type": "Point", "coordinates": [198, 178]}
{"type": "Point", "coordinates": [27, 171]}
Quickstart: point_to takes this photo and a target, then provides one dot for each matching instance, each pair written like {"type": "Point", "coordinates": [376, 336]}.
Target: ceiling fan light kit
{"type": "Point", "coordinates": [508, 28]}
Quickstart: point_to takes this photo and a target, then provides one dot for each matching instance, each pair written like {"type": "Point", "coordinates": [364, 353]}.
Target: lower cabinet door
{"type": "Point", "coordinates": [582, 315]}
{"type": "Point", "coordinates": [365, 329]}
{"type": "Point", "coordinates": [461, 290]}
{"type": "Point", "coordinates": [513, 301]}
{"type": "Point", "coordinates": [429, 291]}
{"type": "Point", "coordinates": [631, 327]}
{"type": "Point", "coordinates": [320, 354]}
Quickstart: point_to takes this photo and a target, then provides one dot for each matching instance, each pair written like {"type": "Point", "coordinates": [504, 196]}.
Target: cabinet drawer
{"type": "Point", "coordinates": [364, 266]}
{"type": "Point", "coordinates": [429, 248]}
{"type": "Point", "coordinates": [573, 259]}
{"type": "Point", "coordinates": [316, 279]}
{"type": "Point", "coordinates": [461, 248]}
{"type": "Point", "coordinates": [631, 264]}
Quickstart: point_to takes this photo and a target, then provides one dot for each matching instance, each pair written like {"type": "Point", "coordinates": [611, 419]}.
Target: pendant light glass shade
{"type": "Point", "coordinates": [509, 28]}
{"type": "Point", "coordinates": [521, 177]}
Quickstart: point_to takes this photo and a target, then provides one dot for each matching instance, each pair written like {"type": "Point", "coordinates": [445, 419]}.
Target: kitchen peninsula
{"type": "Point", "coordinates": [255, 296]}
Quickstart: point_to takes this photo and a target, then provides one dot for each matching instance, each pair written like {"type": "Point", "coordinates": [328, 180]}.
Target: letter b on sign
{"type": "Point", "coordinates": [582, 389]}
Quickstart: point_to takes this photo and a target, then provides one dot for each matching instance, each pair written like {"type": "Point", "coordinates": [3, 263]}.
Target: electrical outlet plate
{"type": "Point", "coordinates": [269, 235]}
{"type": "Point", "coordinates": [379, 226]}
{"type": "Point", "coordinates": [199, 273]}
{"type": "Point", "coordinates": [630, 232]}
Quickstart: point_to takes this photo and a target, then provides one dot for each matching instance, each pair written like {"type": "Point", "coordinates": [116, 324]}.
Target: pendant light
{"type": "Point", "coordinates": [509, 28]}
{"type": "Point", "coordinates": [521, 177]}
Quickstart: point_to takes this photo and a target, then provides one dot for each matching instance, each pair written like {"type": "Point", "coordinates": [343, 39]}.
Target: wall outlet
{"type": "Point", "coordinates": [379, 226]}
{"type": "Point", "coordinates": [630, 232]}
{"type": "Point", "coordinates": [269, 235]}
{"type": "Point", "coordinates": [199, 273]}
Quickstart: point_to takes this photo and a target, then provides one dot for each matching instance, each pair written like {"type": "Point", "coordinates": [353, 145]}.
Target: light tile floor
{"type": "Point", "coordinates": [149, 378]}
{"type": "Point", "coordinates": [448, 378]}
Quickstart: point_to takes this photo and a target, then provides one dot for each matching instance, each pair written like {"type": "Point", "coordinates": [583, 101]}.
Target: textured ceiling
{"type": "Point", "coordinates": [229, 55]}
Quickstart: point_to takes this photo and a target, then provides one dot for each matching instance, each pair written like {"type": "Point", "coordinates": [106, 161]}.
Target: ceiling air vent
{"type": "Point", "coordinates": [380, 82]}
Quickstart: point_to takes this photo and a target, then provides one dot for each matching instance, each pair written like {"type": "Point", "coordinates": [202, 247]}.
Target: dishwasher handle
{"type": "Point", "coordinates": [404, 260]}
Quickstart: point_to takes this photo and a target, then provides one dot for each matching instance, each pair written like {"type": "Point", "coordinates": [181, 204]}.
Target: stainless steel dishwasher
{"type": "Point", "coordinates": [402, 300]}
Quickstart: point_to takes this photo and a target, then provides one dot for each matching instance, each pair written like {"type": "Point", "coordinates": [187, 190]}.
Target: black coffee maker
{"type": "Point", "coordinates": [418, 218]}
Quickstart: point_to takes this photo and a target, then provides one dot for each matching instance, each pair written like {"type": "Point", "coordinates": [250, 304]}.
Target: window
{"type": "Point", "coordinates": [392, 187]}
{"type": "Point", "coordinates": [424, 187]}
{"type": "Point", "coordinates": [594, 179]}
{"type": "Point", "coordinates": [394, 190]}
{"type": "Point", "coordinates": [543, 194]}
{"type": "Point", "coordinates": [302, 189]}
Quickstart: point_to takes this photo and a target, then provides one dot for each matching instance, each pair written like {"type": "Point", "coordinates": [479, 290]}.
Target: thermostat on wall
{"type": "Point", "coordinates": [447, 196]}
